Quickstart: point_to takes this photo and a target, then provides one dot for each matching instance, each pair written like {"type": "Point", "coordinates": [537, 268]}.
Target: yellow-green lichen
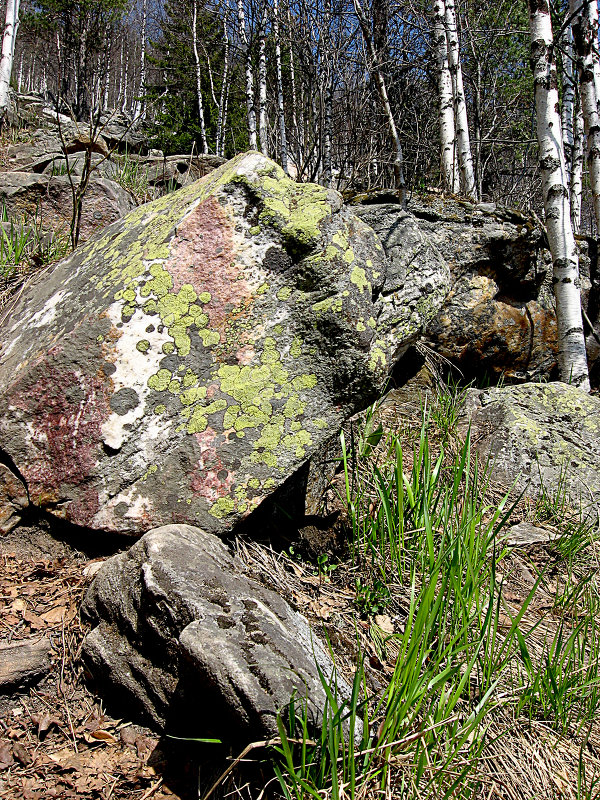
{"type": "Point", "coordinates": [204, 297]}
{"type": "Point", "coordinates": [143, 345]}
{"type": "Point", "coordinates": [160, 409]}
{"type": "Point", "coordinates": [222, 507]}
{"type": "Point", "coordinates": [296, 348]}
{"type": "Point", "coordinates": [284, 293]}
{"type": "Point", "coordinates": [359, 278]}
{"type": "Point", "coordinates": [160, 381]}
{"type": "Point", "coordinates": [150, 471]}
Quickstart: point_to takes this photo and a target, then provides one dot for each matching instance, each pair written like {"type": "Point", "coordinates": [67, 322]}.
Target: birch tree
{"type": "Point", "coordinates": [465, 157]}
{"type": "Point", "coordinates": [263, 133]}
{"type": "Point", "coordinates": [572, 360]}
{"type": "Point", "coordinates": [140, 105]}
{"type": "Point", "coordinates": [203, 140]}
{"type": "Point", "coordinates": [448, 160]}
{"type": "Point", "coordinates": [283, 154]}
{"type": "Point", "coordinates": [568, 99]}
{"type": "Point", "coordinates": [585, 36]}
{"type": "Point", "coordinates": [249, 76]}
{"type": "Point", "coordinates": [8, 49]}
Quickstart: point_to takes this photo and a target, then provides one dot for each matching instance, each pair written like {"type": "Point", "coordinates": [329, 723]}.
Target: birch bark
{"type": "Point", "coordinates": [577, 168]}
{"type": "Point", "coordinates": [283, 154]}
{"type": "Point", "coordinates": [572, 360]}
{"type": "Point", "coordinates": [221, 118]}
{"type": "Point", "coordinates": [8, 48]}
{"type": "Point", "coordinates": [203, 140]}
{"type": "Point", "coordinates": [263, 133]}
{"type": "Point", "coordinates": [465, 157]}
{"type": "Point", "coordinates": [139, 108]}
{"type": "Point", "coordinates": [448, 161]}
{"type": "Point", "coordinates": [585, 36]}
{"type": "Point", "coordinates": [568, 100]}
{"type": "Point", "coordinates": [249, 77]}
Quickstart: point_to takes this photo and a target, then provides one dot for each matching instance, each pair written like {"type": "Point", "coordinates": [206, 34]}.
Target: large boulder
{"type": "Point", "coordinates": [179, 629]}
{"type": "Point", "coordinates": [49, 201]}
{"type": "Point", "coordinates": [540, 434]}
{"type": "Point", "coordinates": [183, 364]}
{"type": "Point", "coordinates": [498, 318]}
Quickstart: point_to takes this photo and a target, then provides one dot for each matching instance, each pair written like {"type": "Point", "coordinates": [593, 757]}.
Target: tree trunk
{"type": "Point", "coordinates": [263, 133]}
{"type": "Point", "coordinates": [568, 100]}
{"type": "Point", "coordinates": [585, 37]}
{"type": "Point", "coordinates": [572, 360]}
{"type": "Point", "coordinates": [220, 144]}
{"type": "Point", "coordinates": [448, 161]}
{"type": "Point", "coordinates": [203, 140]}
{"type": "Point", "coordinates": [249, 77]}
{"type": "Point", "coordinates": [465, 157]}
{"type": "Point", "coordinates": [283, 154]}
{"type": "Point", "coordinates": [577, 168]}
{"type": "Point", "coordinates": [8, 48]}
{"type": "Point", "coordinates": [140, 105]}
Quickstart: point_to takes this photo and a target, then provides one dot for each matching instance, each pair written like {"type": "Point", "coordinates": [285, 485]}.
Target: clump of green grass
{"type": "Point", "coordinates": [427, 526]}
{"type": "Point", "coordinates": [25, 244]}
{"type": "Point", "coordinates": [133, 177]}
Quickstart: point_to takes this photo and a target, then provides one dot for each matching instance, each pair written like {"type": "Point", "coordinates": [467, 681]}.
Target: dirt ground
{"type": "Point", "coordinates": [56, 740]}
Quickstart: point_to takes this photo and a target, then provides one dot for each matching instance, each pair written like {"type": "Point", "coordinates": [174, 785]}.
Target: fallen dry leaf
{"type": "Point", "coordinates": [21, 753]}
{"type": "Point", "coordinates": [55, 615]}
{"type": "Point", "coordinates": [101, 736]}
{"type": "Point", "coordinates": [6, 756]}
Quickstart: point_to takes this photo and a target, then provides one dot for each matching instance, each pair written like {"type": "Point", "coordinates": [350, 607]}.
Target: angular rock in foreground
{"type": "Point", "coordinates": [543, 434]}
{"type": "Point", "coordinates": [180, 627]}
{"type": "Point", "coordinates": [180, 366]}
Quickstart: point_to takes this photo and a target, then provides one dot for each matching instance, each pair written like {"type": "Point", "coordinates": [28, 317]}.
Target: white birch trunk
{"type": "Point", "coordinates": [224, 93]}
{"type": "Point", "coordinates": [198, 79]}
{"type": "Point", "coordinates": [283, 154]}
{"type": "Point", "coordinates": [568, 100]}
{"type": "Point", "coordinates": [20, 75]}
{"type": "Point", "coordinates": [465, 157]}
{"type": "Point", "coordinates": [448, 159]}
{"type": "Point", "coordinates": [585, 35]}
{"type": "Point", "coordinates": [327, 132]}
{"type": "Point", "coordinates": [572, 359]}
{"type": "Point", "coordinates": [381, 86]}
{"type": "Point", "coordinates": [8, 48]}
{"type": "Point", "coordinates": [249, 77]}
{"type": "Point", "coordinates": [125, 79]}
{"type": "Point", "coordinates": [263, 133]}
{"type": "Point", "coordinates": [577, 168]}
{"type": "Point", "coordinates": [140, 104]}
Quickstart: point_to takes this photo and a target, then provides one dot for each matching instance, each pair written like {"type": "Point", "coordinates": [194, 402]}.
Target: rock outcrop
{"type": "Point", "coordinates": [540, 434]}
{"type": "Point", "coordinates": [181, 365]}
{"type": "Point", "coordinates": [180, 629]}
{"type": "Point", "coordinates": [498, 318]}
{"type": "Point", "coordinates": [49, 201]}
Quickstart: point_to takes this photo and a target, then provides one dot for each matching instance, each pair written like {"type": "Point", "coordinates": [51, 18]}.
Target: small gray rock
{"type": "Point", "coordinates": [179, 625]}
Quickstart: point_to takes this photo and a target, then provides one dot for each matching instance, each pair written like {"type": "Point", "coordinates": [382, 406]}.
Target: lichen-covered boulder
{"type": "Point", "coordinates": [177, 625]}
{"type": "Point", "coordinates": [540, 434]}
{"type": "Point", "coordinates": [181, 365]}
